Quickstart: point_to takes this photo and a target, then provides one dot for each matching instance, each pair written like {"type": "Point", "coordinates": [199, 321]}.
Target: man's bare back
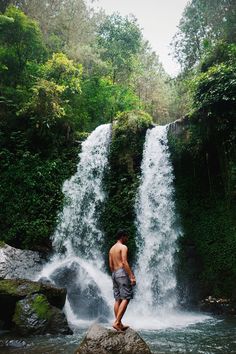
{"type": "Point", "coordinates": [118, 259]}
{"type": "Point", "coordinates": [116, 256]}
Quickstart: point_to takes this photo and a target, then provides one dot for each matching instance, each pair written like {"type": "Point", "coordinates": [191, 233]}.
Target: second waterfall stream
{"type": "Point", "coordinates": [79, 263]}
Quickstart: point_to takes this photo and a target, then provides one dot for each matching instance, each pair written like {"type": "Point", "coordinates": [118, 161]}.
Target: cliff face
{"type": "Point", "coordinates": [205, 199]}
{"type": "Point", "coordinates": [122, 179]}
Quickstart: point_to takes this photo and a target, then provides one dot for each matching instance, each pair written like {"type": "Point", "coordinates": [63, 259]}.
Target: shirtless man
{"type": "Point", "coordinates": [123, 278]}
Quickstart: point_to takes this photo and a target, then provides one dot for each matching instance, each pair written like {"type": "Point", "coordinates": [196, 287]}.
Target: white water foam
{"type": "Point", "coordinates": [155, 303]}
{"type": "Point", "coordinates": [78, 227]}
{"type": "Point", "coordinates": [78, 262]}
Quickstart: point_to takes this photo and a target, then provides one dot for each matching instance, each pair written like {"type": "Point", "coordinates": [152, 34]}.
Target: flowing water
{"type": "Point", "coordinates": [78, 263]}
{"type": "Point", "coordinates": [157, 229]}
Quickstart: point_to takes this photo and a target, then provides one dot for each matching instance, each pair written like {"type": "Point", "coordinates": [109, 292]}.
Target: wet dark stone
{"type": "Point", "coordinates": [15, 343]}
{"type": "Point", "coordinates": [35, 315]}
{"type": "Point", "coordinates": [86, 302]}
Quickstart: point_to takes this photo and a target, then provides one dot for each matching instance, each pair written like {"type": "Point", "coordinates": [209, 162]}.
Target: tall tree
{"type": "Point", "coordinates": [120, 39]}
{"type": "Point", "coordinates": [20, 42]}
{"type": "Point", "coordinates": [203, 23]}
{"type": "Point", "coordinates": [65, 24]}
{"type": "Point", "coordinates": [151, 83]}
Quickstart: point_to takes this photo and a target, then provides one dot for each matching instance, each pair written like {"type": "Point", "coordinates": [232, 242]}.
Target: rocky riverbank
{"type": "Point", "coordinates": [28, 307]}
{"type": "Point", "coordinates": [218, 306]}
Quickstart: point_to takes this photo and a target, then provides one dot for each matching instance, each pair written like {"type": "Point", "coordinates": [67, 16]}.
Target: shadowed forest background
{"type": "Point", "coordinates": [65, 69]}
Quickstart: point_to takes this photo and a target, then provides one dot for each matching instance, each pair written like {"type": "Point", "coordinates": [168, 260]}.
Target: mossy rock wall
{"type": "Point", "coordinates": [122, 178]}
{"type": "Point", "coordinates": [206, 205]}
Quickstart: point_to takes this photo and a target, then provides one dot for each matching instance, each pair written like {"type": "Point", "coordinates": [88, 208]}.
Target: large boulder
{"type": "Point", "coordinates": [16, 263]}
{"type": "Point", "coordinates": [17, 289]}
{"type": "Point", "coordinates": [34, 315]}
{"type": "Point", "coordinates": [101, 340]}
{"type": "Point", "coordinates": [16, 294]}
{"type": "Point", "coordinates": [85, 300]}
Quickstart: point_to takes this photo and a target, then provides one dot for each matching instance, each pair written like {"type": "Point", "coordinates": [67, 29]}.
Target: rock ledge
{"type": "Point", "coordinates": [101, 340]}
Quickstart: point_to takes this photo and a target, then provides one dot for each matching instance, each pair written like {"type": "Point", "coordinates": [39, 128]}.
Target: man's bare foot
{"type": "Point", "coordinates": [117, 327]}
{"type": "Point", "coordinates": [124, 327]}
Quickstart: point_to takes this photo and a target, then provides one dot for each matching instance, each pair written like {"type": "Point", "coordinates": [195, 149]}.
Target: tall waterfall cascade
{"type": "Point", "coordinates": [155, 304]}
{"type": "Point", "coordinates": [78, 227]}
{"type": "Point", "coordinates": [78, 263]}
{"type": "Point", "coordinates": [156, 225]}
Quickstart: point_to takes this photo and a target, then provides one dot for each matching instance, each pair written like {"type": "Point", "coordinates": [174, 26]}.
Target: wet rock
{"type": "Point", "coordinates": [17, 289]}
{"type": "Point", "coordinates": [218, 306]}
{"type": "Point", "coordinates": [100, 340]}
{"type": "Point", "coordinates": [15, 343]}
{"type": "Point", "coordinates": [35, 315]}
{"type": "Point", "coordinates": [86, 301]}
{"type": "Point", "coordinates": [16, 263]}
{"type": "Point", "coordinates": [58, 323]}
{"type": "Point", "coordinates": [14, 290]}
{"type": "Point", "coordinates": [31, 315]}
{"type": "Point", "coordinates": [180, 127]}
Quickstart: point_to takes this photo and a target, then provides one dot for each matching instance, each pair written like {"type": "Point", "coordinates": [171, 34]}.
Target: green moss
{"type": "Point", "coordinates": [18, 287]}
{"type": "Point", "coordinates": [122, 179]}
{"type": "Point", "coordinates": [205, 202]}
{"type": "Point", "coordinates": [38, 304]}
{"type": "Point", "coordinates": [41, 307]}
{"type": "Point", "coordinates": [18, 314]}
{"type": "Point", "coordinates": [2, 244]}
{"type": "Point", "coordinates": [132, 121]}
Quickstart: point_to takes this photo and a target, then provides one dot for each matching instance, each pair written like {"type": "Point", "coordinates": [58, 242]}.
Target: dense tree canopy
{"type": "Point", "coordinates": [204, 22]}
{"type": "Point", "coordinates": [21, 42]}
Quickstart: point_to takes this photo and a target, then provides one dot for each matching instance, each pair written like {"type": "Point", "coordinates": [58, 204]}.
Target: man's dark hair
{"type": "Point", "coordinates": [120, 234]}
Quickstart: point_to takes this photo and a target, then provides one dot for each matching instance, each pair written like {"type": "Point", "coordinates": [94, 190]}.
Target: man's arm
{"type": "Point", "coordinates": [124, 258]}
{"type": "Point", "coordinates": [111, 263]}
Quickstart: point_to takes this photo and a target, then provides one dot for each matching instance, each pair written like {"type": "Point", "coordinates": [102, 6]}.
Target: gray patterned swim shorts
{"type": "Point", "coordinates": [122, 287]}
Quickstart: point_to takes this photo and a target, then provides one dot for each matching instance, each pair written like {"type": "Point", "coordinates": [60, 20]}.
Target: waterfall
{"type": "Point", "coordinates": [156, 225]}
{"type": "Point", "coordinates": [78, 229]}
{"type": "Point", "coordinates": [78, 262]}
{"type": "Point", "coordinates": [77, 241]}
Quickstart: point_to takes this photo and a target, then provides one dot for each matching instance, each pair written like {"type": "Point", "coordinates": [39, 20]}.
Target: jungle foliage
{"type": "Point", "coordinates": [60, 78]}
{"type": "Point", "coordinates": [204, 154]}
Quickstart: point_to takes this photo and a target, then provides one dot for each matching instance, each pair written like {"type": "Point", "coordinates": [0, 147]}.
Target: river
{"type": "Point", "coordinates": [214, 335]}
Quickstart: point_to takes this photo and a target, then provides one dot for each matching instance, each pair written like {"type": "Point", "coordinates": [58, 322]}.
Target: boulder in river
{"type": "Point", "coordinates": [34, 315]}
{"type": "Point", "coordinates": [16, 263]}
{"type": "Point", "coordinates": [101, 340]}
{"type": "Point", "coordinates": [32, 307]}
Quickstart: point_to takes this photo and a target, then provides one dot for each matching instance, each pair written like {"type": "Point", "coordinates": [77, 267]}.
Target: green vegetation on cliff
{"type": "Point", "coordinates": [122, 179]}
{"type": "Point", "coordinates": [204, 157]}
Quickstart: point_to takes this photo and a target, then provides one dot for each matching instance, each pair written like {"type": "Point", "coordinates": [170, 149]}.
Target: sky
{"type": "Point", "coordinates": [158, 19]}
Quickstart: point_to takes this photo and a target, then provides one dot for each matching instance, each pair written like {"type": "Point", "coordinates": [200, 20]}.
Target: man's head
{"type": "Point", "coordinates": [122, 236]}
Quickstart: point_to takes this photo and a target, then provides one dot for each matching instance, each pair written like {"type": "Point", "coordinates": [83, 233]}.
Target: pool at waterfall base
{"type": "Point", "coordinates": [206, 335]}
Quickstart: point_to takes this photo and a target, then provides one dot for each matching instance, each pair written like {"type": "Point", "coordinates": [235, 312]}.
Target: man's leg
{"type": "Point", "coordinates": [116, 307]}
{"type": "Point", "coordinates": [121, 311]}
